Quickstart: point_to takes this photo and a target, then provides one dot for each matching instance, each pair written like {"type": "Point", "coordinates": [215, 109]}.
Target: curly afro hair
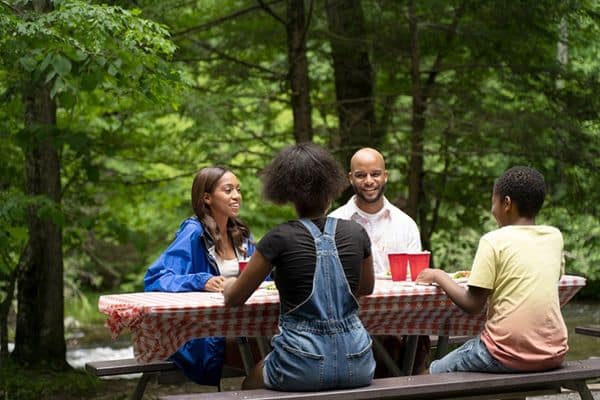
{"type": "Point", "coordinates": [525, 186]}
{"type": "Point", "coordinates": [305, 175]}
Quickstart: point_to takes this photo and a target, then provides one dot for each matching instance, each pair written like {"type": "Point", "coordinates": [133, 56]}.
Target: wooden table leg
{"type": "Point", "coordinates": [410, 351]}
{"type": "Point", "coordinates": [264, 345]}
{"type": "Point", "coordinates": [442, 346]}
{"type": "Point", "coordinates": [246, 353]}
{"type": "Point", "coordinates": [387, 359]}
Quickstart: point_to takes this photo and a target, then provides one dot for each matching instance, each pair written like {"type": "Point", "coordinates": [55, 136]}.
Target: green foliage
{"type": "Point", "coordinates": [581, 234]}
{"type": "Point", "coordinates": [149, 95]}
{"type": "Point", "coordinates": [26, 384]}
{"type": "Point", "coordinates": [83, 307]}
{"type": "Point", "coordinates": [12, 234]}
{"type": "Point", "coordinates": [493, 104]}
{"type": "Point", "coordinates": [80, 46]}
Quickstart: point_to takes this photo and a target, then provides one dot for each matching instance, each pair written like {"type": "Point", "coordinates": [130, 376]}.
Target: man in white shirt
{"type": "Point", "coordinates": [390, 231]}
{"type": "Point", "coordinates": [389, 228]}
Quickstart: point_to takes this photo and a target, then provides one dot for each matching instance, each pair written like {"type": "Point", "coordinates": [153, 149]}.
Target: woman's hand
{"type": "Point", "coordinates": [215, 284]}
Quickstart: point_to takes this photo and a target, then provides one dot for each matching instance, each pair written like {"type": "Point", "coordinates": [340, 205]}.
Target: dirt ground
{"type": "Point", "coordinates": [121, 389]}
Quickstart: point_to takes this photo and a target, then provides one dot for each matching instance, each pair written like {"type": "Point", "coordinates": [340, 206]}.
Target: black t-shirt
{"type": "Point", "coordinates": [291, 250]}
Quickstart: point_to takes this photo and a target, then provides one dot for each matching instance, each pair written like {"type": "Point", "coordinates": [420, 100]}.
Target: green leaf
{"type": "Point", "coordinates": [76, 55]}
{"type": "Point", "coordinates": [67, 99]}
{"type": "Point", "coordinates": [61, 65]}
{"type": "Point", "coordinates": [50, 76]}
{"type": "Point", "coordinates": [112, 70]}
{"type": "Point", "coordinates": [58, 87]}
{"type": "Point", "coordinates": [91, 80]}
{"type": "Point", "coordinates": [29, 63]}
{"type": "Point", "coordinates": [49, 211]}
{"type": "Point", "coordinates": [47, 60]}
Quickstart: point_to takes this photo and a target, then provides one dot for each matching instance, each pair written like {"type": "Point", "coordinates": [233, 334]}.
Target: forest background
{"type": "Point", "coordinates": [107, 109]}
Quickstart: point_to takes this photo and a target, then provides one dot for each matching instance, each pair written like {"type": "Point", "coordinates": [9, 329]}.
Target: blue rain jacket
{"type": "Point", "coordinates": [185, 266]}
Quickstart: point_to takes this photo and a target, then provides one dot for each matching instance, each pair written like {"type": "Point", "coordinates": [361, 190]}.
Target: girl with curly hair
{"type": "Point", "coordinates": [320, 266]}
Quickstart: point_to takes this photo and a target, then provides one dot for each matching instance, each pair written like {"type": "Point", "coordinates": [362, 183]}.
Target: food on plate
{"type": "Point", "coordinates": [461, 274]}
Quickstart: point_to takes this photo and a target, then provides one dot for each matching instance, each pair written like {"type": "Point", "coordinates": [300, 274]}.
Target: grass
{"type": "Point", "coordinates": [26, 384]}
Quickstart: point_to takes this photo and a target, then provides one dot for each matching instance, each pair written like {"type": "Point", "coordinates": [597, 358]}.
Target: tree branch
{"type": "Point", "coordinates": [238, 61]}
{"type": "Point", "coordinates": [311, 7]}
{"type": "Point", "coordinates": [272, 13]}
{"type": "Point", "coordinates": [9, 6]}
{"type": "Point", "coordinates": [450, 34]}
{"type": "Point", "coordinates": [225, 18]}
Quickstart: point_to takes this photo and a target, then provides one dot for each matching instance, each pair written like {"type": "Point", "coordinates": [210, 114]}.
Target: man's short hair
{"type": "Point", "coordinates": [525, 186]}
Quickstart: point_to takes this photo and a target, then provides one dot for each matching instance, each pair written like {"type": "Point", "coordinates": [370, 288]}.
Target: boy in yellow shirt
{"type": "Point", "coordinates": [516, 271]}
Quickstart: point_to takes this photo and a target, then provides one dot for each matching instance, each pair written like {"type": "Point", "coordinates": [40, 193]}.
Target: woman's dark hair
{"type": "Point", "coordinates": [205, 181]}
{"type": "Point", "coordinates": [305, 175]}
{"type": "Point", "coordinates": [526, 188]}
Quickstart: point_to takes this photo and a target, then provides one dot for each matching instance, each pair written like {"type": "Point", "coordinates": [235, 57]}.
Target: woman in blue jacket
{"type": "Point", "coordinates": [205, 251]}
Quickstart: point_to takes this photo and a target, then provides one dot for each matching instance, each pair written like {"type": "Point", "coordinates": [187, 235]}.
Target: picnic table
{"type": "Point", "coordinates": [161, 322]}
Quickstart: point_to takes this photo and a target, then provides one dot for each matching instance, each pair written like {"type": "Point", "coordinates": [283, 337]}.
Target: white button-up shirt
{"type": "Point", "coordinates": [390, 230]}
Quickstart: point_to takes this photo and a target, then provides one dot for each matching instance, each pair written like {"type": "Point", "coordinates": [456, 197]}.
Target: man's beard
{"type": "Point", "coordinates": [375, 199]}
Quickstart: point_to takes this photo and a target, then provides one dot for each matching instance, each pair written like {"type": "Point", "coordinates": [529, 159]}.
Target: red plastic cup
{"type": "Point", "coordinates": [242, 265]}
{"type": "Point", "coordinates": [398, 265]}
{"type": "Point", "coordinates": [417, 263]}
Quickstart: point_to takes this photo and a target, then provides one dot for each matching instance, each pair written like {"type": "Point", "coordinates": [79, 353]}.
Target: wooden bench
{"type": "Point", "coordinates": [164, 371]}
{"type": "Point", "coordinates": [463, 385]}
{"type": "Point", "coordinates": [592, 330]}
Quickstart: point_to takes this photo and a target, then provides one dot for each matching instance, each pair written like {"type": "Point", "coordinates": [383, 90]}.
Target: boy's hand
{"type": "Point", "coordinates": [471, 299]}
{"type": "Point", "coordinates": [426, 277]}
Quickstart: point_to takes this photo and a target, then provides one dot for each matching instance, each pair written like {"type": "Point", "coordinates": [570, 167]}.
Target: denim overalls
{"type": "Point", "coordinates": [322, 343]}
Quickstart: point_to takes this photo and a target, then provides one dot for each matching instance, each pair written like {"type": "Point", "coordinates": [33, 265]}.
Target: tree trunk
{"type": "Point", "coordinates": [10, 280]}
{"type": "Point", "coordinates": [415, 166]}
{"type": "Point", "coordinates": [417, 206]}
{"type": "Point", "coordinates": [353, 77]}
{"type": "Point", "coordinates": [297, 28]}
{"type": "Point", "coordinates": [39, 340]}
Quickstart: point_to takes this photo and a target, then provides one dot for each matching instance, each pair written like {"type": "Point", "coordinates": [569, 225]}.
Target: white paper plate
{"type": "Point", "coordinates": [268, 285]}
{"type": "Point", "coordinates": [459, 280]}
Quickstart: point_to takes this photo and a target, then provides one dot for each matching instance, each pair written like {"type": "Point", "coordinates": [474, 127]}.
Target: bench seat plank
{"type": "Point", "coordinates": [451, 385]}
{"type": "Point", "coordinates": [166, 372]}
{"type": "Point", "coordinates": [127, 366]}
{"type": "Point", "coordinates": [592, 330]}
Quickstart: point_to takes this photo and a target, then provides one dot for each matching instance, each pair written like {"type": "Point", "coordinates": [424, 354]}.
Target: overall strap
{"type": "Point", "coordinates": [312, 228]}
{"type": "Point", "coordinates": [330, 226]}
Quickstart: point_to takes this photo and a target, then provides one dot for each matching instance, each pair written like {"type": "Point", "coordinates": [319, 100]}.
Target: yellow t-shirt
{"type": "Point", "coordinates": [522, 265]}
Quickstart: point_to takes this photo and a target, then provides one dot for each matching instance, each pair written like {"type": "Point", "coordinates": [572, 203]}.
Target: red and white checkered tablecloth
{"type": "Point", "coordinates": [161, 322]}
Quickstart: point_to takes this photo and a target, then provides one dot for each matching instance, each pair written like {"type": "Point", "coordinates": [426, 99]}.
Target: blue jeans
{"type": "Point", "coordinates": [472, 356]}
{"type": "Point", "coordinates": [307, 359]}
